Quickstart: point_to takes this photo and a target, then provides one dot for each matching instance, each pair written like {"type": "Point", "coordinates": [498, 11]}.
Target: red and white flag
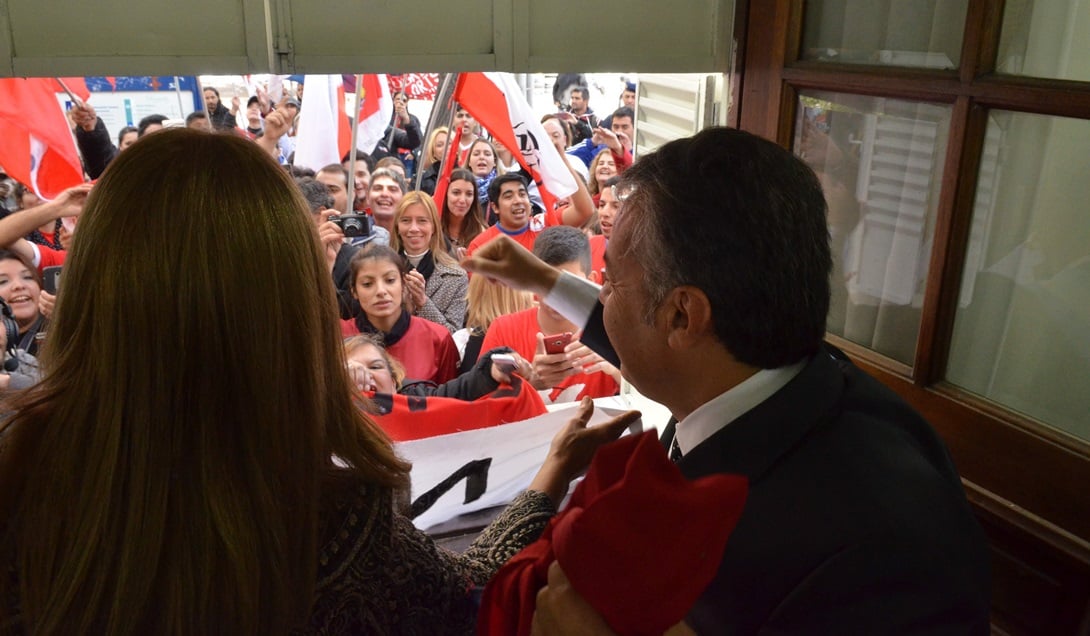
{"type": "Point", "coordinates": [36, 146]}
{"type": "Point", "coordinates": [497, 103]}
{"type": "Point", "coordinates": [324, 135]}
{"type": "Point", "coordinates": [376, 109]}
{"type": "Point", "coordinates": [416, 85]}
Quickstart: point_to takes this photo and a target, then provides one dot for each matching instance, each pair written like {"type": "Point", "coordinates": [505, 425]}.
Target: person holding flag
{"type": "Point", "coordinates": [36, 147]}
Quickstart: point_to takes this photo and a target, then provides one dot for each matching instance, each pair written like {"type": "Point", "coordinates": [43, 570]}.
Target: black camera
{"type": "Point", "coordinates": [353, 225]}
{"type": "Point", "coordinates": [7, 356]}
{"type": "Point", "coordinates": [9, 325]}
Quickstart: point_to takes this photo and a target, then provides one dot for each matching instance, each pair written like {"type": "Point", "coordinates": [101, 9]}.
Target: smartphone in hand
{"type": "Point", "coordinates": [556, 343]}
{"type": "Point", "coordinates": [51, 279]}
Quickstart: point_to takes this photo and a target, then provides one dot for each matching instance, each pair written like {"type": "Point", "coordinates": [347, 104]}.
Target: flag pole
{"type": "Point", "coordinates": [443, 104]}
{"type": "Point", "coordinates": [350, 187]}
{"type": "Point", "coordinates": [181, 106]}
{"type": "Point", "coordinates": [71, 96]}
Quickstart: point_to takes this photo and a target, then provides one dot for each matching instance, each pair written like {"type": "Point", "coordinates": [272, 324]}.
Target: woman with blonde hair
{"type": "Point", "coordinates": [435, 284]}
{"type": "Point", "coordinates": [431, 159]}
{"type": "Point", "coordinates": [174, 471]}
{"type": "Point", "coordinates": [486, 301]}
{"type": "Point", "coordinates": [602, 168]}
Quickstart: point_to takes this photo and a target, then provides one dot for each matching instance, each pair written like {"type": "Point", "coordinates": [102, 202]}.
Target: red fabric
{"type": "Point", "coordinates": [449, 164]}
{"type": "Point", "coordinates": [643, 581]}
{"type": "Point", "coordinates": [426, 350]}
{"type": "Point", "coordinates": [502, 111]}
{"type": "Point", "coordinates": [49, 257]}
{"type": "Point", "coordinates": [406, 417]}
{"type": "Point", "coordinates": [538, 222]}
{"type": "Point", "coordinates": [598, 257]}
{"type": "Point", "coordinates": [519, 331]}
{"type": "Point", "coordinates": [36, 147]}
{"type": "Point", "coordinates": [415, 85]}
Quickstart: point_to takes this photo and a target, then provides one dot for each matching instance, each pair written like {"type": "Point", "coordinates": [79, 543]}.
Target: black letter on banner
{"type": "Point", "coordinates": [476, 475]}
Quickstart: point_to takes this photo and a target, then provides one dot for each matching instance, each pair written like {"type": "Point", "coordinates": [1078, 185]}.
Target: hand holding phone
{"type": "Point", "coordinates": [51, 279]}
{"type": "Point", "coordinates": [505, 362]}
{"type": "Point", "coordinates": [556, 343]}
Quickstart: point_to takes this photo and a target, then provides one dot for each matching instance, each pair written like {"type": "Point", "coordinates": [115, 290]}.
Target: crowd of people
{"type": "Point", "coordinates": [201, 453]}
{"type": "Point", "coordinates": [424, 238]}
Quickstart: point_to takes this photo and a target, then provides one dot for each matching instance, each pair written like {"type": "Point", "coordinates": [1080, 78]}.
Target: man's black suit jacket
{"type": "Point", "coordinates": [856, 521]}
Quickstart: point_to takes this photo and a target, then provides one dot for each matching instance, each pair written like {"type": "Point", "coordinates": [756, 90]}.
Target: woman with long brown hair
{"type": "Point", "coordinates": [462, 219]}
{"type": "Point", "coordinates": [194, 460]}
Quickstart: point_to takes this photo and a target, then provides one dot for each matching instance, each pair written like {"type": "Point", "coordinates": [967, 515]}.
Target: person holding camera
{"type": "Point", "coordinates": [19, 369]}
{"type": "Point", "coordinates": [585, 119]}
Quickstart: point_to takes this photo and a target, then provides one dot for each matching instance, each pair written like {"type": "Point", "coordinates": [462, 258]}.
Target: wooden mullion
{"type": "Point", "coordinates": [736, 72]}
{"type": "Point", "coordinates": [951, 239]}
{"type": "Point", "coordinates": [765, 51]}
{"type": "Point", "coordinates": [979, 47]}
{"type": "Point", "coordinates": [1060, 98]}
{"type": "Point", "coordinates": [859, 352]}
{"type": "Point", "coordinates": [1024, 462]}
{"type": "Point", "coordinates": [899, 83]}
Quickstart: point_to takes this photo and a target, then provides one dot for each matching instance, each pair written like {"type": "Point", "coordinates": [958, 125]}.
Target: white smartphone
{"type": "Point", "coordinates": [505, 361]}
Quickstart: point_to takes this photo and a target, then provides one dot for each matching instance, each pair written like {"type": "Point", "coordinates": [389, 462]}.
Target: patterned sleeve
{"type": "Point", "coordinates": [519, 525]}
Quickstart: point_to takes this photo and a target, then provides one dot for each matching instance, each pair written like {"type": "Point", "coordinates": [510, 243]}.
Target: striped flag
{"type": "Point", "coordinates": [36, 147]}
{"type": "Point", "coordinates": [497, 103]}
{"type": "Point", "coordinates": [324, 135]}
{"type": "Point", "coordinates": [376, 109]}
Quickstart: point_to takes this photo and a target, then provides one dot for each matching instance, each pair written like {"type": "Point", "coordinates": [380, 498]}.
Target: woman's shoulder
{"type": "Point", "coordinates": [450, 269]}
{"type": "Point", "coordinates": [434, 329]}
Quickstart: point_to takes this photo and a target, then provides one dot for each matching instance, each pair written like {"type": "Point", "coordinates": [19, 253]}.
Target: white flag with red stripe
{"type": "Point", "coordinates": [36, 145]}
{"type": "Point", "coordinates": [497, 103]}
{"type": "Point", "coordinates": [376, 109]}
{"type": "Point", "coordinates": [324, 135]}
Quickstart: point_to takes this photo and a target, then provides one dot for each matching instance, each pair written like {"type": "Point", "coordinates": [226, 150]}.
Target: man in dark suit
{"type": "Point", "coordinates": [714, 303]}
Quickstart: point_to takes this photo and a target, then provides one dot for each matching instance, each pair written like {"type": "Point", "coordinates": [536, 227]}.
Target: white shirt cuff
{"type": "Point", "coordinates": [573, 297]}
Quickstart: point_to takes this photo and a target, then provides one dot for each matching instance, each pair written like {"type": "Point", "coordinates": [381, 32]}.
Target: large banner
{"type": "Point", "coordinates": [465, 472]}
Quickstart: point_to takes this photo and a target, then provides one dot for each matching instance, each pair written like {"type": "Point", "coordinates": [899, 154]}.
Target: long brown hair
{"type": "Point", "coordinates": [473, 221]}
{"type": "Point", "coordinates": [165, 476]}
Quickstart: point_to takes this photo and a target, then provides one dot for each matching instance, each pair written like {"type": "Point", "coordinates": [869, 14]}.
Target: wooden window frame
{"type": "Point", "coordinates": [1021, 475]}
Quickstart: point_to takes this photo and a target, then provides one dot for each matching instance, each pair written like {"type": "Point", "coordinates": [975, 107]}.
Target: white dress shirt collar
{"type": "Point", "coordinates": [723, 409]}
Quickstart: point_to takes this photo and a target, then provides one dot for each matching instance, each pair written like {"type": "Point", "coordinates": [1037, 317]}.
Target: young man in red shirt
{"type": "Point", "coordinates": [576, 371]}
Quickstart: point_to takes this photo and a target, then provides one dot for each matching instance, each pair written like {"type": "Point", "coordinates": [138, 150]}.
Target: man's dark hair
{"type": "Point", "coordinates": [316, 193]}
{"type": "Point", "coordinates": [124, 131]}
{"type": "Point", "coordinates": [334, 168]}
{"type": "Point", "coordinates": [582, 90]}
{"type": "Point", "coordinates": [624, 111]}
{"type": "Point", "coordinates": [561, 244]}
{"type": "Point", "coordinates": [194, 116]}
{"type": "Point", "coordinates": [300, 171]}
{"type": "Point", "coordinates": [494, 187]}
{"type": "Point", "coordinates": [743, 220]}
{"type": "Point", "coordinates": [142, 127]}
{"type": "Point", "coordinates": [253, 100]}
{"type": "Point", "coordinates": [210, 88]}
{"type": "Point", "coordinates": [361, 156]}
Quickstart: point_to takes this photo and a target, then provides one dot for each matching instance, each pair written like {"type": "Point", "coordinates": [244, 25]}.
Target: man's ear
{"type": "Point", "coordinates": [687, 316]}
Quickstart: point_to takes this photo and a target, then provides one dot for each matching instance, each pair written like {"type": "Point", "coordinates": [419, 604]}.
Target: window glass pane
{"type": "Point", "coordinates": [917, 33]}
{"type": "Point", "coordinates": [1022, 329]}
{"type": "Point", "coordinates": [880, 162]}
{"type": "Point", "coordinates": [1046, 38]}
